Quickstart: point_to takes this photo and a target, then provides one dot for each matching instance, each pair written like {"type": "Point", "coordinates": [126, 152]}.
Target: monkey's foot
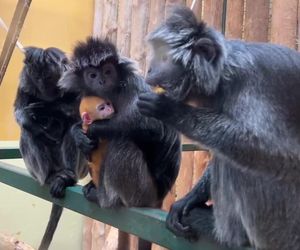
{"type": "Point", "coordinates": [90, 192]}
{"type": "Point", "coordinates": [57, 188]}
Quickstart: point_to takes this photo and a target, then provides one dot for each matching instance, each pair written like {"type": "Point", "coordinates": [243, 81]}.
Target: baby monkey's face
{"type": "Point", "coordinates": [95, 108]}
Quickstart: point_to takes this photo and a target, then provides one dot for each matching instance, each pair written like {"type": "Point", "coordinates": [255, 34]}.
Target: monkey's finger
{"type": "Point", "coordinates": [174, 224]}
{"type": "Point", "coordinates": [178, 229]}
{"type": "Point", "coordinates": [147, 111]}
{"type": "Point", "coordinates": [145, 105]}
{"type": "Point", "coordinates": [148, 96]}
{"type": "Point", "coordinates": [187, 209]}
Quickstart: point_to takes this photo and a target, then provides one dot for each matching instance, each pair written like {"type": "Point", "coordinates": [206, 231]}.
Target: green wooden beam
{"type": "Point", "coordinates": [13, 152]}
{"type": "Point", "coordinates": [9, 153]}
{"type": "Point", "coordinates": [148, 224]}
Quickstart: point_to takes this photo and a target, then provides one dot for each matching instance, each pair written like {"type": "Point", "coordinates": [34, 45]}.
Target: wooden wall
{"type": "Point", "coordinates": [127, 23]}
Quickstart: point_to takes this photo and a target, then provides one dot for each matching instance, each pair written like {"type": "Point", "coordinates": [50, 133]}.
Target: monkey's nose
{"type": "Point", "coordinates": [149, 70]}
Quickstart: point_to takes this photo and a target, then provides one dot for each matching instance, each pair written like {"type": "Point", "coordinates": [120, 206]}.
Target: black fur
{"type": "Point", "coordinates": [45, 115]}
{"type": "Point", "coordinates": [143, 155]}
{"type": "Point", "coordinates": [251, 124]}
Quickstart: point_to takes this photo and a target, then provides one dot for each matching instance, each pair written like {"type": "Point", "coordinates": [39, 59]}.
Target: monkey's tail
{"type": "Point", "coordinates": [55, 215]}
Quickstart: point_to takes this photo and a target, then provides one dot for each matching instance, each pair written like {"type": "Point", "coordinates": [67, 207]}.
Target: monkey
{"type": "Point", "coordinates": [93, 108]}
{"type": "Point", "coordinates": [143, 155]}
{"type": "Point", "coordinates": [249, 120]}
{"type": "Point", "coordinates": [45, 115]}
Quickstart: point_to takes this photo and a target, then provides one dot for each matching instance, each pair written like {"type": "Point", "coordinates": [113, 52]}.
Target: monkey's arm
{"type": "Point", "coordinates": [225, 135]}
{"type": "Point", "coordinates": [82, 141]}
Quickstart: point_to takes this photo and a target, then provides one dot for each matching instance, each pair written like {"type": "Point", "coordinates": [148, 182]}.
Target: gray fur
{"type": "Point", "coordinates": [45, 115]}
{"type": "Point", "coordinates": [252, 126]}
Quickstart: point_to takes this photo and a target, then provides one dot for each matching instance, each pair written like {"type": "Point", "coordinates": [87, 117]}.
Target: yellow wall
{"type": "Point", "coordinates": [49, 23]}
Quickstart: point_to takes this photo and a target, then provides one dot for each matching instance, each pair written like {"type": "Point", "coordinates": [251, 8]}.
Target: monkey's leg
{"type": "Point", "coordinates": [66, 176]}
{"type": "Point", "coordinates": [197, 198]}
{"type": "Point", "coordinates": [90, 192]}
{"type": "Point", "coordinates": [199, 222]}
{"type": "Point", "coordinates": [108, 198]}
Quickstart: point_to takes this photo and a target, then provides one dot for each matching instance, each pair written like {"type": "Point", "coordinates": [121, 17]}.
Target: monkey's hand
{"type": "Point", "coordinates": [82, 141]}
{"type": "Point", "coordinates": [179, 211]}
{"type": "Point", "coordinates": [103, 129]}
{"type": "Point", "coordinates": [159, 106]}
{"type": "Point", "coordinates": [90, 192]}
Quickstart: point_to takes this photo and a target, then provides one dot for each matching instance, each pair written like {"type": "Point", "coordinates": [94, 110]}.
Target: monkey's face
{"type": "Point", "coordinates": [166, 73]}
{"type": "Point", "coordinates": [94, 108]}
{"type": "Point", "coordinates": [44, 68]}
{"type": "Point", "coordinates": [101, 78]}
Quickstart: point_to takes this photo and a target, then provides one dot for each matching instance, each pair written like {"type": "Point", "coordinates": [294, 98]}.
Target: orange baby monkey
{"type": "Point", "coordinates": [94, 108]}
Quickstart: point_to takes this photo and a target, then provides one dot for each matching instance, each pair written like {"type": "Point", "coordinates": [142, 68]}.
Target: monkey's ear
{"type": "Point", "coordinates": [206, 48]}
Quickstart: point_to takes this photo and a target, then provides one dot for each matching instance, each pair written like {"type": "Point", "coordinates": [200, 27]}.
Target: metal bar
{"type": "Point", "coordinates": [14, 152]}
{"type": "Point", "coordinates": [10, 153]}
{"type": "Point", "coordinates": [13, 35]}
{"type": "Point", "coordinates": [148, 224]}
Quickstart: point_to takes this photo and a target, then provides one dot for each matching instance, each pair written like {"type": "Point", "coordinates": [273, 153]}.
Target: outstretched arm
{"type": "Point", "coordinates": [225, 135]}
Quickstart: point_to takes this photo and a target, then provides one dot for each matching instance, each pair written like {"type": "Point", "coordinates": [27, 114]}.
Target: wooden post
{"type": "Point", "coordinates": [235, 18]}
{"type": "Point", "coordinates": [124, 27]}
{"type": "Point", "coordinates": [139, 27]}
{"type": "Point", "coordinates": [98, 18]}
{"type": "Point", "coordinates": [256, 22]}
{"type": "Point", "coordinates": [212, 13]}
{"type": "Point", "coordinates": [284, 24]}
{"type": "Point", "coordinates": [13, 35]}
{"type": "Point", "coordinates": [197, 9]}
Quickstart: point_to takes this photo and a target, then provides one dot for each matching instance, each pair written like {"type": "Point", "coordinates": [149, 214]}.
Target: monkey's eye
{"type": "Point", "coordinates": [107, 72]}
{"type": "Point", "coordinates": [108, 69]}
{"type": "Point", "coordinates": [92, 75]}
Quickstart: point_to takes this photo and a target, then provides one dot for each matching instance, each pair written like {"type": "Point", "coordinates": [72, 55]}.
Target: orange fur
{"type": "Point", "coordinates": [89, 104]}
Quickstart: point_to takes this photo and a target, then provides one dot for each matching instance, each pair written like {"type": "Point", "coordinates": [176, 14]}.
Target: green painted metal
{"type": "Point", "coordinates": [10, 153]}
{"type": "Point", "coordinates": [148, 224]}
{"type": "Point", "coordinates": [14, 152]}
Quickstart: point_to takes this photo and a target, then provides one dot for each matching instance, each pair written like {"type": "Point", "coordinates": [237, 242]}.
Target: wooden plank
{"type": "Point", "coordinates": [201, 160]}
{"type": "Point", "coordinates": [284, 24]}
{"type": "Point", "coordinates": [8, 242]}
{"type": "Point", "coordinates": [124, 27]}
{"type": "Point", "coordinates": [157, 14]}
{"type": "Point", "coordinates": [139, 26]}
{"type": "Point", "coordinates": [110, 20]}
{"type": "Point", "coordinates": [298, 30]}
{"type": "Point", "coordinates": [148, 224]}
{"type": "Point", "coordinates": [156, 17]}
{"type": "Point", "coordinates": [256, 22]}
{"type": "Point", "coordinates": [185, 177]}
{"type": "Point", "coordinates": [171, 3]}
{"type": "Point", "coordinates": [234, 20]}
{"type": "Point", "coordinates": [13, 35]}
{"type": "Point", "coordinates": [98, 18]}
{"type": "Point", "coordinates": [212, 13]}
{"type": "Point", "coordinates": [197, 9]}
